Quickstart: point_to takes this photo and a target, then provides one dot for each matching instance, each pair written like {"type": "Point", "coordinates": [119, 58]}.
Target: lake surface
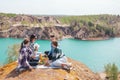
{"type": "Point", "coordinates": [94, 54]}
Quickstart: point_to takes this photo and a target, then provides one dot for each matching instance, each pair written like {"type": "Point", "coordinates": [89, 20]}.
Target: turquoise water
{"type": "Point", "coordinates": [95, 54]}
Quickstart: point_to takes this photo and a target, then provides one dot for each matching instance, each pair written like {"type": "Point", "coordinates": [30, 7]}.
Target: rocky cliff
{"type": "Point", "coordinates": [79, 72]}
{"type": "Point", "coordinates": [81, 27]}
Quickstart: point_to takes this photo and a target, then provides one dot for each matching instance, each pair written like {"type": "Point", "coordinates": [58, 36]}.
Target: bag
{"type": "Point", "coordinates": [49, 56]}
{"type": "Point", "coordinates": [33, 62]}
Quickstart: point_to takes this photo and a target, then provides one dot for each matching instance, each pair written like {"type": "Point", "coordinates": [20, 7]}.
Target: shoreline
{"type": "Point", "coordinates": [98, 38]}
{"type": "Point", "coordinates": [88, 39]}
{"type": "Point", "coordinates": [68, 37]}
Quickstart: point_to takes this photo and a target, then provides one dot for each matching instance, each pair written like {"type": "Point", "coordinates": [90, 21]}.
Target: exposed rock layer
{"type": "Point", "coordinates": [20, 26]}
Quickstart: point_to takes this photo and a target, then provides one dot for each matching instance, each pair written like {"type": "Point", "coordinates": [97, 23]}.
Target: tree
{"type": "Point", "coordinates": [111, 71]}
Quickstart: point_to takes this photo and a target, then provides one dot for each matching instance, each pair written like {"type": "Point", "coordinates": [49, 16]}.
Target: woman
{"type": "Point", "coordinates": [32, 40]}
{"type": "Point", "coordinates": [33, 60]}
{"type": "Point", "coordinates": [24, 55]}
{"type": "Point", "coordinates": [58, 58]}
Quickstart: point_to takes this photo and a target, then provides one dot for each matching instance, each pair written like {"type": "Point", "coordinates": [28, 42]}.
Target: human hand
{"type": "Point", "coordinates": [30, 67]}
{"type": "Point", "coordinates": [47, 64]}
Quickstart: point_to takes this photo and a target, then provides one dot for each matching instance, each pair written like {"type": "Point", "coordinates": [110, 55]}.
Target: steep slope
{"type": "Point", "coordinates": [94, 27]}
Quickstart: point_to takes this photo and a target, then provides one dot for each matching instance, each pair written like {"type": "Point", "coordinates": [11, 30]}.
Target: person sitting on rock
{"type": "Point", "coordinates": [33, 61]}
{"type": "Point", "coordinates": [48, 53]}
{"type": "Point", "coordinates": [58, 58]}
{"type": "Point", "coordinates": [32, 40]}
{"type": "Point", "coordinates": [24, 55]}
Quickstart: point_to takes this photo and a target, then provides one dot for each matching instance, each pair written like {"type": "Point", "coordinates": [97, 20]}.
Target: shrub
{"type": "Point", "coordinates": [90, 24]}
{"type": "Point", "coordinates": [111, 71]}
{"type": "Point", "coordinates": [12, 53]}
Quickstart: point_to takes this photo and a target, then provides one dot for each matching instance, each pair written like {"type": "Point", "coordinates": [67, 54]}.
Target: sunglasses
{"type": "Point", "coordinates": [52, 36]}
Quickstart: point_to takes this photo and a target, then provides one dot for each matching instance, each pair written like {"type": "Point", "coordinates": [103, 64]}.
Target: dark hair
{"type": "Point", "coordinates": [32, 37]}
{"type": "Point", "coordinates": [24, 42]}
{"type": "Point", "coordinates": [55, 43]}
{"type": "Point", "coordinates": [52, 36]}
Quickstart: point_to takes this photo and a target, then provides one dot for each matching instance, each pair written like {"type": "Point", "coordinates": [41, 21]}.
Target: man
{"type": "Point", "coordinates": [49, 53]}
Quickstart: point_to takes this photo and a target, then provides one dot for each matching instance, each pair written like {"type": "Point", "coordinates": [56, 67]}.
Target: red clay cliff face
{"type": "Point", "coordinates": [79, 72]}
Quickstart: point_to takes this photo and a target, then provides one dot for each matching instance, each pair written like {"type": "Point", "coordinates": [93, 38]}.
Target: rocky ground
{"type": "Point", "coordinates": [79, 72]}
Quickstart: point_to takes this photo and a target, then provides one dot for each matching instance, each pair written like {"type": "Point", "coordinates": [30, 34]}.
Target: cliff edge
{"type": "Point", "coordinates": [91, 27]}
{"type": "Point", "coordinates": [79, 72]}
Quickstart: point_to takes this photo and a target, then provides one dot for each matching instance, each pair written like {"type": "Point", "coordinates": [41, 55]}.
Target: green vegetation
{"type": "Point", "coordinates": [90, 26]}
{"type": "Point", "coordinates": [98, 25]}
{"type": "Point", "coordinates": [80, 19]}
{"type": "Point", "coordinates": [13, 52]}
{"type": "Point", "coordinates": [111, 71]}
{"type": "Point", "coordinates": [102, 19]}
{"type": "Point", "coordinates": [4, 20]}
{"type": "Point", "coordinates": [8, 15]}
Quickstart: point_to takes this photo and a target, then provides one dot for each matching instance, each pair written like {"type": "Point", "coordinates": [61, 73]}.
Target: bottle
{"type": "Point", "coordinates": [41, 59]}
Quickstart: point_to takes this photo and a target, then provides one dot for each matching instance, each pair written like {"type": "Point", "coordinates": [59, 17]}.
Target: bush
{"type": "Point", "coordinates": [7, 14]}
{"type": "Point", "coordinates": [111, 71]}
{"type": "Point", "coordinates": [12, 53]}
{"type": "Point", "coordinates": [90, 24]}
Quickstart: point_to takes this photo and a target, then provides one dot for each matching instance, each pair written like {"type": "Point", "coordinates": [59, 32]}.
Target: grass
{"type": "Point", "coordinates": [7, 14]}
{"type": "Point", "coordinates": [103, 19]}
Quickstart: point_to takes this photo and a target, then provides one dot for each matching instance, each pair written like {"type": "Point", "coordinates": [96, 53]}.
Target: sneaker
{"type": "Point", "coordinates": [68, 67]}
